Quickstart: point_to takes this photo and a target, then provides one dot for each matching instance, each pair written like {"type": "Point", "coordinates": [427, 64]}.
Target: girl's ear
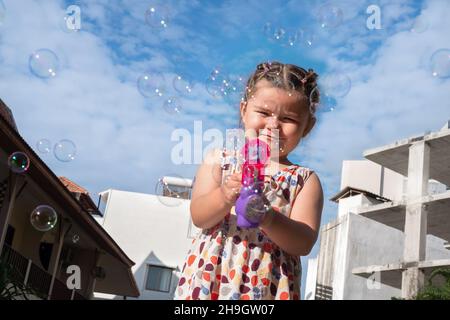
{"type": "Point", "coordinates": [311, 123]}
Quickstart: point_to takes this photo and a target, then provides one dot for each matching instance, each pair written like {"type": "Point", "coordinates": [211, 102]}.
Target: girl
{"type": "Point", "coordinates": [229, 262]}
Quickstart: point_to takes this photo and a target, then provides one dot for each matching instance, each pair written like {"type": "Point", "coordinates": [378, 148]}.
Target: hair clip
{"type": "Point", "coordinates": [304, 80]}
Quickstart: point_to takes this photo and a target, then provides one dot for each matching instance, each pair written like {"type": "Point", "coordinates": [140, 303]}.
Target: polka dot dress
{"type": "Point", "coordinates": [230, 263]}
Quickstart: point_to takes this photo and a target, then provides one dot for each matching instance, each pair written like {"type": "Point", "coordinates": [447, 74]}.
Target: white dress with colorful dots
{"type": "Point", "coordinates": [227, 262]}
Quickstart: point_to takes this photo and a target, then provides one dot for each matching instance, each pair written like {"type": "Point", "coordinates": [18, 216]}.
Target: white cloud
{"type": "Point", "coordinates": [92, 101]}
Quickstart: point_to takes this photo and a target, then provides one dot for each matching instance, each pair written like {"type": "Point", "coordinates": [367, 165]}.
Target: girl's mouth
{"type": "Point", "coordinates": [272, 138]}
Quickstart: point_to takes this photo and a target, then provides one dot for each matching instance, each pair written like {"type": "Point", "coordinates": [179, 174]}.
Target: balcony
{"type": "Point", "coordinates": [38, 279]}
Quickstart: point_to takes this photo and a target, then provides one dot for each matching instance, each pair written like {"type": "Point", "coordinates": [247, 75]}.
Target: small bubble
{"type": "Point", "coordinates": [420, 25]}
{"type": "Point", "coordinates": [18, 162]}
{"type": "Point", "coordinates": [157, 17]}
{"type": "Point", "coordinates": [65, 150]}
{"type": "Point", "coordinates": [43, 218]}
{"type": "Point", "coordinates": [44, 146]}
{"type": "Point", "coordinates": [440, 63]}
{"type": "Point", "coordinates": [43, 63]}
{"type": "Point", "coordinates": [75, 238]}
{"type": "Point", "coordinates": [336, 84]}
{"type": "Point", "coordinates": [182, 84]}
{"type": "Point", "coordinates": [151, 85]}
{"type": "Point", "coordinates": [172, 189]}
{"type": "Point", "coordinates": [330, 16]}
{"type": "Point", "coordinates": [172, 105]}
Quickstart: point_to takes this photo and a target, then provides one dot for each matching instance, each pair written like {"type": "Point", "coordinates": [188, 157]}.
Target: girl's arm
{"type": "Point", "coordinates": [209, 203]}
{"type": "Point", "coordinates": [296, 235]}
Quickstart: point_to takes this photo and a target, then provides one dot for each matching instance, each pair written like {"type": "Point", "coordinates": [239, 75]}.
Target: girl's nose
{"type": "Point", "coordinates": [272, 122]}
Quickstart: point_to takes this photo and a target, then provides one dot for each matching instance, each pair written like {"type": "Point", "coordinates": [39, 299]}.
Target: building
{"type": "Point", "coordinates": [393, 223]}
{"type": "Point", "coordinates": [155, 230]}
{"type": "Point", "coordinates": [42, 259]}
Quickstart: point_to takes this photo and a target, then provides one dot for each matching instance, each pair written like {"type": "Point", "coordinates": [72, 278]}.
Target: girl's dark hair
{"type": "Point", "coordinates": [286, 76]}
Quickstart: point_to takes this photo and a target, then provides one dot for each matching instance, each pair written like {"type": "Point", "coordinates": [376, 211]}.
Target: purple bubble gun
{"type": "Point", "coordinates": [250, 205]}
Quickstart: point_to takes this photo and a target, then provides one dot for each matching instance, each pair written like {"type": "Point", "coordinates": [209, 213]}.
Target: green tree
{"type": "Point", "coordinates": [434, 292]}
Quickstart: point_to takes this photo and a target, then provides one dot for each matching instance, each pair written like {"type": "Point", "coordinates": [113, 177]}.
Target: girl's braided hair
{"type": "Point", "coordinates": [286, 76]}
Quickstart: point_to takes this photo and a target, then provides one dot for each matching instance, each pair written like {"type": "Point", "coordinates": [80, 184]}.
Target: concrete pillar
{"type": "Point", "coordinates": [93, 280]}
{"type": "Point", "coordinates": [415, 218]}
{"type": "Point", "coordinates": [64, 228]}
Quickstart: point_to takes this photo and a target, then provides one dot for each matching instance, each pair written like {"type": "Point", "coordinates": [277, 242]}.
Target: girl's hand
{"type": "Point", "coordinates": [231, 187]}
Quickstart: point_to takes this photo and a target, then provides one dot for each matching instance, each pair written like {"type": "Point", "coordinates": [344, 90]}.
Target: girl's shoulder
{"type": "Point", "coordinates": [294, 175]}
{"type": "Point", "coordinates": [295, 168]}
{"type": "Point", "coordinates": [303, 171]}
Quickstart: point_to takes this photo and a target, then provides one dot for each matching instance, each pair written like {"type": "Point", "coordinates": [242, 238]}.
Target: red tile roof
{"type": "Point", "coordinates": [81, 194]}
{"type": "Point", "coordinates": [72, 186]}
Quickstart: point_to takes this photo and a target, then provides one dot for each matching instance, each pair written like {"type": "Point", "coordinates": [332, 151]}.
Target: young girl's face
{"type": "Point", "coordinates": [272, 108]}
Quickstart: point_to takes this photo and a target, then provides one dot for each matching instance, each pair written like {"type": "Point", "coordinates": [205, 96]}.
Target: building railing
{"type": "Point", "coordinates": [36, 278]}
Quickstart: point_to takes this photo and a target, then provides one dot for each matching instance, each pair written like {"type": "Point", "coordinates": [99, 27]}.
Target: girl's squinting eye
{"type": "Point", "coordinates": [263, 113]}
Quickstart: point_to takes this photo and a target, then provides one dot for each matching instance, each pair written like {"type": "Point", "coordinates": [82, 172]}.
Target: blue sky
{"type": "Point", "coordinates": [123, 139]}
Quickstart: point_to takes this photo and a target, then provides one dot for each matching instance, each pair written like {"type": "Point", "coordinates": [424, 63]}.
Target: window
{"type": "Point", "coordinates": [177, 192]}
{"type": "Point", "coordinates": [9, 235]}
{"type": "Point", "coordinates": [158, 278]}
{"type": "Point", "coordinates": [102, 202]}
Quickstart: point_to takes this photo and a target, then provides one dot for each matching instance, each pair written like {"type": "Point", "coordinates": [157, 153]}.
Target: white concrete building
{"type": "Point", "coordinates": [155, 231]}
{"type": "Point", "coordinates": [391, 231]}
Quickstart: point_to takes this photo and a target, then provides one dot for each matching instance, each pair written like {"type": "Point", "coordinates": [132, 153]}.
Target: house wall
{"type": "Point", "coordinates": [150, 233]}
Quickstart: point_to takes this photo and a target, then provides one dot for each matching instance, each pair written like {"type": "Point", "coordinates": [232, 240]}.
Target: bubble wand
{"type": "Point", "coordinates": [250, 206]}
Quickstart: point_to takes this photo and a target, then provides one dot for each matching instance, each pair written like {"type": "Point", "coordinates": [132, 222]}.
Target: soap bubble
{"type": "Point", "coordinates": [292, 38]}
{"type": "Point", "coordinates": [335, 84]}
{"type": "Point", "coordinates": [216, 83]}
{"type": "Point", "coordinates": [172, 105]}
{"type": "Point", "coordinates": [44, 146]}
{"type": "Point", "coordinates": [151, 85]}
{"type": "Point", "coordinates": [274, 33]}
{"type": "Point", "coordinates": [172, 190]}
{"type": "Point", "coordinates": [65, 150]}
{"type": "Point", "coordinates": [182, 84]}
{"type": "Point", "coordinates": [440, 63]}
{"type": "Point", "coordinates": [235, 90]}
{"type": "Point", "coordinates": [18, 162]}
{"type": "Point", "coordinates": [43, 63]}
{"type": "Point", "coordinates": [330, 16]}
{"type": "Point", "coordinates": [306, 37]}
{"type": "Point", "coordinates": [75, 238]}
{"type": "Point", "coordinates": [157, 17]}
{"type": "Point", "coordinates": [278, 34]}
{"type": "Point", "coordinates": [43, 218]}
{"type": "Point", "coordinates": [420, 25]}
{"type": "Point", "coordinates": [327, 102]}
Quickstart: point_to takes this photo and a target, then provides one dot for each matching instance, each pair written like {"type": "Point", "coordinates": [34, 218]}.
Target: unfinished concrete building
{"type": "Point", "coordinates": [393, 224]}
